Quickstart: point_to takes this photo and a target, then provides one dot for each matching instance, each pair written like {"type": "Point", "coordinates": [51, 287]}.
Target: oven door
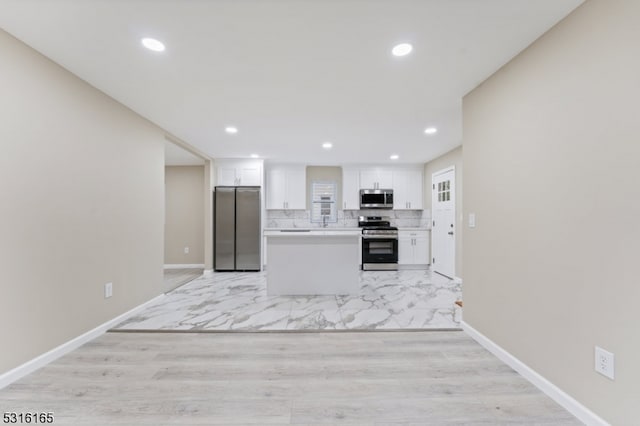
{"type": "Point", "coordinates": [378, 251]}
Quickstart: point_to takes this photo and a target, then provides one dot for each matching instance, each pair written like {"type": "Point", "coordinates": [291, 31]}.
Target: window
{"type": "Point", "coordinates": [323, 202]}
{"type": "Point", "coordinates": [444, 191]}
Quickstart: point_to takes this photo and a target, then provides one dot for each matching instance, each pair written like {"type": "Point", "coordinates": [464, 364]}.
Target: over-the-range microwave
{"type": "Point", "coordinates": [376, 198]}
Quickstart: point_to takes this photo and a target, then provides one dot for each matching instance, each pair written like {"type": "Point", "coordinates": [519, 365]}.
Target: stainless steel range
{"type": "Point", "coordinates": [379, 244]}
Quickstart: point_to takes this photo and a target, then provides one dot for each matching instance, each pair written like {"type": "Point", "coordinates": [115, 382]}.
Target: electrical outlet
{"type": "Point", "coordinates": [108, 290]}
{"type": "Point", "coordinates": [186, 250]}
{"type": "Point", "coordinates": [605, 362]}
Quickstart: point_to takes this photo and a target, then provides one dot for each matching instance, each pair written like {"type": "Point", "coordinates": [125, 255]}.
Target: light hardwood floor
{"type": "Point", "coordinates": [364, 378]}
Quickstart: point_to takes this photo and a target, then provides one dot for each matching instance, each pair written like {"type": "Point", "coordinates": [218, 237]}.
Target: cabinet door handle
{"type": "Point", "coordinates": [409, 204]}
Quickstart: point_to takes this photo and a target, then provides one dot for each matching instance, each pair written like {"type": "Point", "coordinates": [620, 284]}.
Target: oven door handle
{"type": "Point", "coordinates": [379, 237]}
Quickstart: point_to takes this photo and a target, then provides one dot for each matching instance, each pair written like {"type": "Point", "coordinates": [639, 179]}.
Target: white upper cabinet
{"type": "Point", "coordinates": [376, 178]}
{"type": "Point", "coordinates": [350, 189]}
{"type": "Point", "coordinates": [286, 187]}
{"type": "Point", "coordinates": [408, 189]}
{"type": "Point", "coordinates": [238, 172]}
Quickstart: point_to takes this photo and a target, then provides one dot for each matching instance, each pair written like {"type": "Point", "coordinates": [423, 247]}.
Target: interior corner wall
{"type": "Point", "coordinates": [208, 187]}
{"type": "Point", "coordinates": [81, 178]}
{"type": "Point", "coordinates": [552, 165]}
{"type": "Point", "coordinates": [184, 223]}
{"type": "Point", "coordinates": [451, 158]}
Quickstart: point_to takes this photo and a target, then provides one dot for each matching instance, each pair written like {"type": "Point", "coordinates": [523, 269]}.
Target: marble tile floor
{"type": "Point", "coordinates": [174, 278]}
{"type": "Point", "coordinates": [238, 301]}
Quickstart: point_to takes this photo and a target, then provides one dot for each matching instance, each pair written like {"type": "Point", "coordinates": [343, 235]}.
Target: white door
{"type": "Point", "coordinates": [443, 204]}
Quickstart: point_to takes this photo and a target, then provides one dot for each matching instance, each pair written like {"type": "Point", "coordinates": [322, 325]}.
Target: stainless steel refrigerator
{"type": "Point", "coordinates": [237, 228]}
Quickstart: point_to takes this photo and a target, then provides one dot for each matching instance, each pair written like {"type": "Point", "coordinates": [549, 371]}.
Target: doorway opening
{"type": "Point", "coordinates": [184, 221]}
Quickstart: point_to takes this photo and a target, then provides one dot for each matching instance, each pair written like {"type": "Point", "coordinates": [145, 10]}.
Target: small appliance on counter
{"type": "Point", "coordinates": [379, 244]}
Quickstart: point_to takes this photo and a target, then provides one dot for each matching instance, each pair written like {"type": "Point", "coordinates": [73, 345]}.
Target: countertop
{"type": "Point", "coordinates": [317, 228]}
{"type": "Point", "coordinates": [311, 232]}
{"type": "Point", "coordinates": [331, 230]}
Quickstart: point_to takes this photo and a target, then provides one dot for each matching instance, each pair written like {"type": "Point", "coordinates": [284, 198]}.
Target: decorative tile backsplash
{"type": "Point", "coordinates": [347, 219]}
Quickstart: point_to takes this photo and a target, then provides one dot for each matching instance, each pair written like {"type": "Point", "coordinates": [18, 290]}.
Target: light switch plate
{"type": "Point", "coordinates": [108, 290]}
{"type": "Point", "coordinates": [472, 220]}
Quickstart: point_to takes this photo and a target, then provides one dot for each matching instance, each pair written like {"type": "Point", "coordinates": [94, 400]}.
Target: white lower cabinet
{"type": "Point", "coordinates": [413, 247]}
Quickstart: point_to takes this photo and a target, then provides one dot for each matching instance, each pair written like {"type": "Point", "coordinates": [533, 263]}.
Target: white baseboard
{"type": "Point", "coordinates": [55, 353]}
{"type": "Point", "coordinates": [184, 266]}
{"type": "Point", "coordinates": [583, 414]}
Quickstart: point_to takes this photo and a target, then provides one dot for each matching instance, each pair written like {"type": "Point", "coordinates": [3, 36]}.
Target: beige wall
{"type": "Point", "coordinates": [184, 210]}
{"type": "Point", "coordinates": [81, 179]}
{"type": "Point", "coordinates": [552, 165]}
{"type": "Point", "coordinates": [451, 158]}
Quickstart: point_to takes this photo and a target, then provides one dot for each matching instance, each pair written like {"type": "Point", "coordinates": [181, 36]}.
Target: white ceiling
{"type": "Point", "coordinates": [290, 74]}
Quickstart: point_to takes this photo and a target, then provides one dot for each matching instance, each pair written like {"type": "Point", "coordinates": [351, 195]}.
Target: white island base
{"type": "Point", "coordinates": [312, 264]}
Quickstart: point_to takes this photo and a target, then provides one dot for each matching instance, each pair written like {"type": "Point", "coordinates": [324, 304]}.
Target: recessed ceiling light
{"type": "Point", "coordinates": [394, 157]}
{"type": "Point", "coordinates": [402, 49]}
{"type": "Point", "coordinates": [431, 130]}
{"type": "Point", "coordinates": [255, 156]}
{"type": "Point", "coordinates": [327, 145]}
{"type": "Point", "coordinates": [153, 44]}
{"type": "Point", "coordinates": [231, 130]}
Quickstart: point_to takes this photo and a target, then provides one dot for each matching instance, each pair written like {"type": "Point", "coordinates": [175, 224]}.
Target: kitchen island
{"type": "Point", "coordinates": [318, 262]}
